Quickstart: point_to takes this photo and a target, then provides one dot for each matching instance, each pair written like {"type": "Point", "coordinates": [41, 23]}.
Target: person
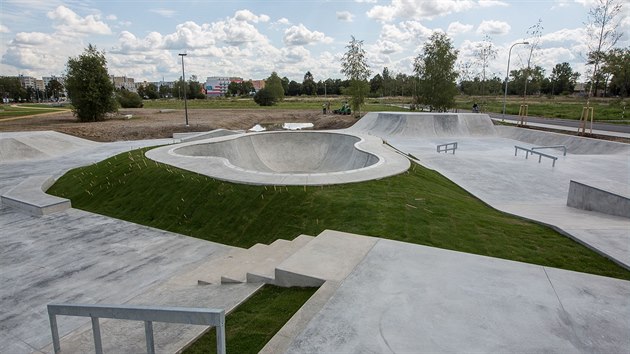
{"type": "Point", "coordinates": [324, 108]}
{"type": "Point", "coordinates": [475, 108]}
{"type": "Point", "coordinates": [328, 107]}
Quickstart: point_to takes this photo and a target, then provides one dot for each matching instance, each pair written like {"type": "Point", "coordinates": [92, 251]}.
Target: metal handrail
{"type": "Point", "coordinates": [540, 154]}
{"type": "Point", "coordinates": [563, 147]}
{"type": "Point", "coordinates": [148, 314]}
{"type": "Point", "coordinates": [447, 148]}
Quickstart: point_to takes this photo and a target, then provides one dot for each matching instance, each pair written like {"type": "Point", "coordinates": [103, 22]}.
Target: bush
{"type": "Point", "coordinates": [265, 97]}
{"type": "Point", "coordinates": [128, 99]}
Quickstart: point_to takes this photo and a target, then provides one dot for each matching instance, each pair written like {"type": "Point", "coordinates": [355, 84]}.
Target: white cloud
{"type": "Point", "coordinates": [493, 27]}
{"type": "Point", "coordinates": [345, 16]}
{"type": "Point", "coordinates": [405, 32]}
{"type": "Point", "coordinates": [4, 29]}
{"type": "Point", "coordinates": [283, 21]}
{"type": "Point", "coordinates": [164, 12]}
{"type": "Point", "coordinates": [111, 17]}
{"type": "Point", "coordinates": [425, 9]}
{"type": "Point", "coordinates": [248, 16]}
{"type": "Point", "coordinates": [300, 35]}
{"type": "Point", "coordinates": [386, 47]}
{"type": "Point", "coordinates": [456, 28]}
{"type": "Point", "coordinates": [67, 21]}
{"type": "Point", "coordinates": [491, 3]}
{"type": "Point", "coordinates": [366, 1]}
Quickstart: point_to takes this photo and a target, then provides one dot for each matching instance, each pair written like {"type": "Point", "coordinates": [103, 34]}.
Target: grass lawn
{"type": "Point", "coordinates": [7, 111]}
{"type": "Point", "coordinates": [611, 111]}
{"type": "Point", "coordinates": [419, 206]}
{"type": "Point", "coordinates": [310, 103]}
{"type": "Point", "coordinates": [256, 321]}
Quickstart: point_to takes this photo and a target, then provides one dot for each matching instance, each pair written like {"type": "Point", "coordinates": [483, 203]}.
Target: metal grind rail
{"type": "Point", "coordinates": [533, 152]}
{"type": "Point", "coordinates": [148, 314]}
{"type": "Point", "coordinates": [563, 147]}
{"type": "Point", "coordinates": [447, 147]}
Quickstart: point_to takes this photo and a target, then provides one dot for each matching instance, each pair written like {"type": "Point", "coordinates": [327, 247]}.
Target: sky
{"type": "Point", "coordinates": [250, 39]}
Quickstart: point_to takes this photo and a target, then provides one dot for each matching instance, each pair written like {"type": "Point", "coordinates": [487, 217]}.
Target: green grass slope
{"type": "Point", "coordinates": [419, 206]}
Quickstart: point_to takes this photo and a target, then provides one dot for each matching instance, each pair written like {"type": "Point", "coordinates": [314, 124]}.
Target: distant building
{"type": "Point", "coordinates": [59, 79]}
{"type": "Point", "coordinates": [217, 86]}
{"type": "Point", "coordinates": [127, 83]}
{"type": "Point", "coordinates": [258, 84]}
{"type": "Point", "coordinates": [27, 81]}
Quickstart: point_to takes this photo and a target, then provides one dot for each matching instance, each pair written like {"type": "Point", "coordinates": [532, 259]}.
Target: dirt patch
{"type": "Point", "coordinates": [154, 123]}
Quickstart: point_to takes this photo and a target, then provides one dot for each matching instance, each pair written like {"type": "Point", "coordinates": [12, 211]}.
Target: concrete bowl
{"type": "Point", "coordinates": [287, 158]}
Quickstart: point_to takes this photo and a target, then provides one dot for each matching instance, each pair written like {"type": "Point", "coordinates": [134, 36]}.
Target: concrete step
{"type": "Point", "coordinates": [258, 263]}
{"type": "Point", "coordinates": [332, 255]}
{"type": "Point", "coordinates": [30, 197]}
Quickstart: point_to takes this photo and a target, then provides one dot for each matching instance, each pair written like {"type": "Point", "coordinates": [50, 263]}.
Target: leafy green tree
{"type": "Point", "coordinates": [532, 78]}
{"type": "Point", "coordinates": [264, 97]}
{"type": "Point", "coordinates": [89, 86]}
{"type": "Point", "coordinates": [485, 52]}
{"type": "Point", "coordinates": [151, 91]}
{"type": "Point", "coordinates": [617, 66]}
{"type": "Point", "coordinates": [247, 87]}
{"type": "Point", "coordinates": [294, 88]}
{"type": "Point", "coordinates": [165, 91]}
{"type": "Point", "coordinates": [195, 90]}
{"type": "Point", "coordinates": [355, 66]}
{"type": "Point", "coordinates": [308, 85]}
{"type": "Point", "coordinates": [563, 79]}
{"type": "Point", "coordinates": [234, 89]}
{"type": "Point", "coordinates": [435, 68]}
{"type": "Point", "coordinates": [275, 87]}
{"type": "Point", "coordinates": [285, 85]}
{"type": "Point", "coordinates": [54, 89]}
{"type": "Point", "coordinates": [376, 85]}
{"type": "Point", "coordinates": [140, 90]}
{"type": "Point", "coordinates": [11, 88]}
{"type": "Point", "coordinates": [128, 99]}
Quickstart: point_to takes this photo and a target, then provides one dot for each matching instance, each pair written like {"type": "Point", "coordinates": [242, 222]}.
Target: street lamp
{"type": "Point", "coordinates": [507, 73]}
{"type": "Point", "coordinates": [184, 83]}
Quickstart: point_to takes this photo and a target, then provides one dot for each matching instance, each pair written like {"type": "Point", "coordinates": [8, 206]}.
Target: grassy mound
{"type": "Point", "coordinates": [419, 206]}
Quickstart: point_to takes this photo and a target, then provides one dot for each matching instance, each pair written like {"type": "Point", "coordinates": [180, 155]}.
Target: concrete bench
{"type": "Point", "coordinates": [29, 196]}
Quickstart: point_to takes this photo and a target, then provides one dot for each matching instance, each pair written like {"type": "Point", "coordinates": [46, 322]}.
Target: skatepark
{"type": "Point", "coordinates": [375, 295]}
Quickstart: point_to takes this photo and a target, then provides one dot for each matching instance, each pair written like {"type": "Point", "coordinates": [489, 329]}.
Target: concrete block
{"type": "Point", "coordinates": [588, 197]}
{"type": "Point", "coordinates": [29, 196]}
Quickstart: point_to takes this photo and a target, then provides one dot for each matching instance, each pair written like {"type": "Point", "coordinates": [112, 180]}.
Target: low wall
{"type": "Point", "coordinates": [583, 196]}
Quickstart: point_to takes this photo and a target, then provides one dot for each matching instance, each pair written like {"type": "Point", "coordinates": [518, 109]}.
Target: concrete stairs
{"type": "Point", "coordinates": [258, 263]}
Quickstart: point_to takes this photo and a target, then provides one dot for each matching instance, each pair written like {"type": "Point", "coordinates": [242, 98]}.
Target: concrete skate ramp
{"type": "Point", "coordinates": [575, 144]}
{"type": "Point", "coordinates": [20, 146]}
{"type": "Point", "coordinates": [287, 152]}
{"type": "Point", "coordinates": [425, 125]}
{"type": "Point", "coordinates": [287, 158]}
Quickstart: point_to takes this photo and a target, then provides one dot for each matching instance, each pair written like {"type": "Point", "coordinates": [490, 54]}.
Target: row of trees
{"type": "Point", "coordinates": [11, 88]}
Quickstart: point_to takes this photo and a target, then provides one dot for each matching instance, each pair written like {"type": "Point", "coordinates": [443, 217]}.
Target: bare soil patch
{"type": "Point", "coordinates": [155, 123]}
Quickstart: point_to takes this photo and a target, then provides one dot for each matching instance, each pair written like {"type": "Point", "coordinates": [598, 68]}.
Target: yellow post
{"type": "Point", "coordinates": [522, 112]}
{"type": "Point", "coordinates": [587, 114]}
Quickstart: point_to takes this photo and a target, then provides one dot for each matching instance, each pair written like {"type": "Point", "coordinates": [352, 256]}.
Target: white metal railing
{"type": "Point", "coordinates": [533, 152]}
{"type": "Point", "coordinates": [148, 314]}
{"type": "Point", "coordinates": [563, 147]}
{"type": "Point", "coordinates": [447, 147]}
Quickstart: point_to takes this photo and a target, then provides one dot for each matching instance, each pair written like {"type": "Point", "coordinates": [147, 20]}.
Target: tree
{"type": "Point", "coordinates": [435, 68]}
{"type": "Point", "coordinates": [128, 99]}
{"type": "Point", "coordinates": [524, 77]}
{"type": "Point", "coordinates": [89, 86]}
{"type": "Point", "coordinates": [151, 91]}
{"type": "Point", "coordinates": [294, 88]}
{"type": "Point", "coordinates": [376, 85]}
{"type": "Point", "coordinates": [354, 65]}
{"type": "Point", "coordinates": [601, 27]}
{"type": "Point", "coordinates": [535, 34]}
{"type": "Point", "coordinates": [484, 52]}
{"type": "Point", "coordinates": [563, 79]}
{"type": "Point", "coordinates": [264, 97]}
{"type": "Point", "coordinates": [165, 91]}
{"type": "Point", "coordinates": [54, 89]}
{"type": "Point", "coordinates": [618, 66]}
{"type": "Point", "coordinates": [10, 88]}
{"type": "Point", "coordinates": [308, 85]}
{"type": "Point", "coordinates": [275, 87]}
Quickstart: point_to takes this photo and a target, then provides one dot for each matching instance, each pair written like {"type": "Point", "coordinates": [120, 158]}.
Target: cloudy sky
{"type": "Point", "coordinates": [250, 39]}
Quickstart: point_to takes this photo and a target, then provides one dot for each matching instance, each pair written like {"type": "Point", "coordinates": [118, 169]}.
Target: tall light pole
{"type": "Point", "coordinates": [507, 73]}
{"type": "Point", "coordinates": [184, 83]}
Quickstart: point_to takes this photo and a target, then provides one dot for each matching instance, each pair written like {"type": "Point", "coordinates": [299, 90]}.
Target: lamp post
{"type": "Point", "coordinates": [184, 83]}
{"type": "Point", "coordinates": [507, 73]}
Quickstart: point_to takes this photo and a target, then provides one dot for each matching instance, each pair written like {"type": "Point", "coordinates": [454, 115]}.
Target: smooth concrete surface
{"type": "Point", "coordinates": [30, 196]}
{"type": "Point", "coordinates": [405, 298]}
{"type": "Point", "coordinates": [286, 158]}
{"type": "Point", "coordinates": [486, 167]}
{"type": "Point", "coordinates": [20, 146]}
{"type": "Point", "coordinates": [584, 196]}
